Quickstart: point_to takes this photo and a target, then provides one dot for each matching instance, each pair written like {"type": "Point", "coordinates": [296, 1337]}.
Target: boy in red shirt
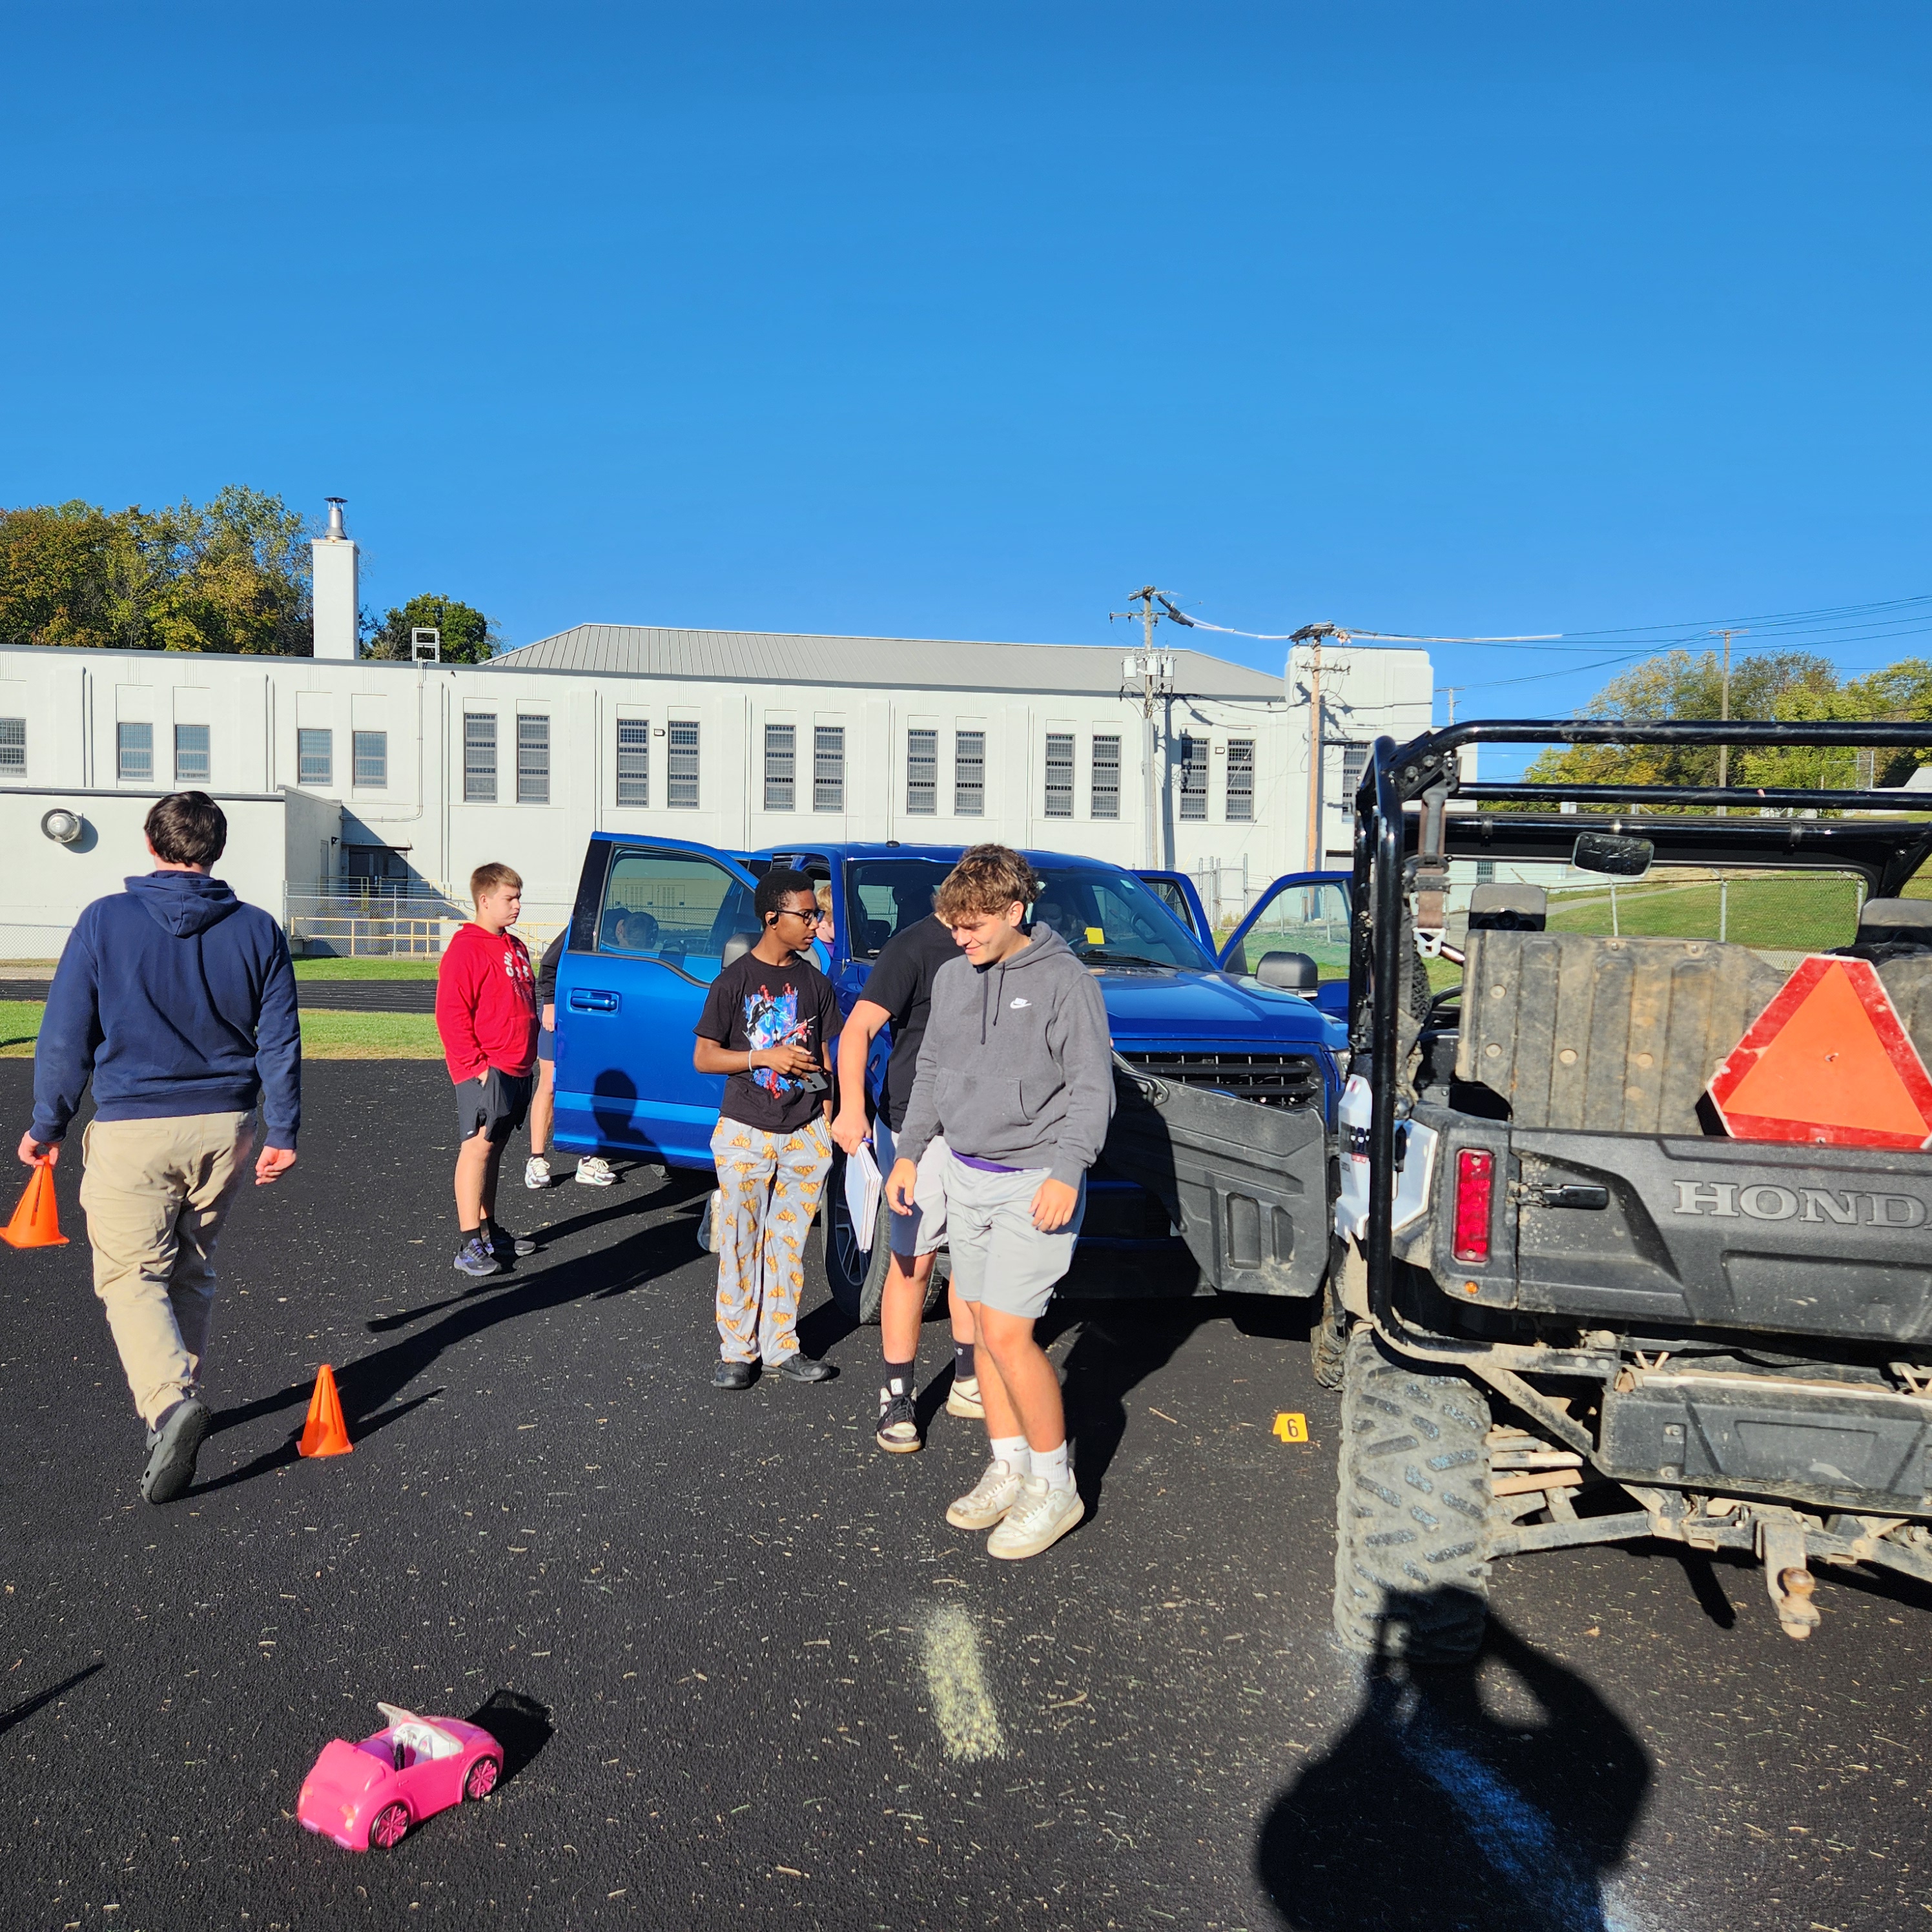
{"type": "Point", "coordinates": [486, 1011]}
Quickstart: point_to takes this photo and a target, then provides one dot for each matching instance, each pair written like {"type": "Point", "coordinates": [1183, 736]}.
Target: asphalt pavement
{"type": "Point", "coordinates": [746, 1674]}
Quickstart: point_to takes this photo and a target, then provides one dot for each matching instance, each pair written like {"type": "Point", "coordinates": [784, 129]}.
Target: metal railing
{"type": "Point", "coordinates": [380, 925]}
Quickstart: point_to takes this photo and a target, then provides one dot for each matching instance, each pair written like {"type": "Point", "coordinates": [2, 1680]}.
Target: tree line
{"type": "Point", "coordinates": [1792, 686]}
{"type": "Point", "coordinates": [229, 575]}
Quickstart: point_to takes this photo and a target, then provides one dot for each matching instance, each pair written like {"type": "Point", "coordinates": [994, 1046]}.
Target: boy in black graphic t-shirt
{"type": "Point", "coordinates": [768, 1023]}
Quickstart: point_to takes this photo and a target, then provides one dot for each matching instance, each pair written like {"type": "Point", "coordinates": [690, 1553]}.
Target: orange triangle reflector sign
{"type": "Point", "coordinates": [1827, 1062]}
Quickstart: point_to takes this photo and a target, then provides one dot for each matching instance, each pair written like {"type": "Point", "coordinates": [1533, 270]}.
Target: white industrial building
{"type": "Point", "coordinates": [353, 782]}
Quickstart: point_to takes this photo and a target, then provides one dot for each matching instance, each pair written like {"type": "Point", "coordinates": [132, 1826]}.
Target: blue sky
{"type": "Point", "coordinates": [967, 321]}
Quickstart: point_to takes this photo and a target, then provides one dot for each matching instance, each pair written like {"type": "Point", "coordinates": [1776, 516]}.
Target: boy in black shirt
{"type": "Point", "coordinates": [768, 1023]}
{"type": "Point", "coordinates": [899, 993]}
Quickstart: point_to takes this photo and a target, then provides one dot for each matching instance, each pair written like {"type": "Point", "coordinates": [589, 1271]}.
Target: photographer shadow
{"type": "Point", "coordinates": [1431, 1814]}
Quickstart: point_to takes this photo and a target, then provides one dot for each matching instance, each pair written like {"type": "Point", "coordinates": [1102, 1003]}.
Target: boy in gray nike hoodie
{"type": "Point", "coordinates": [1016, 1071]}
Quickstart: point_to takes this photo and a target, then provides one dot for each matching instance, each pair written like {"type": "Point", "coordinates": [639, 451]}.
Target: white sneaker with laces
{"type": "Point", "coordinates": [592, 1172]}
{"type": "Point", "coordinates": [963, 1399]}
{"type": "Point", "coordinates": [536, 1171]}
{"type": "Point", "coordinates": [1039, 1517]}
{"type": "Point", "coordinates": [988, 1500]}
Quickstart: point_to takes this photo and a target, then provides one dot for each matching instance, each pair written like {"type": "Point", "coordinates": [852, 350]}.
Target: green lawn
{"type": "Point", "coordinates": [1780, 913]}
{"type": "Point", "coordinates": [365, 969]}
{"type": "Point", "coordinates": [325, 1035]}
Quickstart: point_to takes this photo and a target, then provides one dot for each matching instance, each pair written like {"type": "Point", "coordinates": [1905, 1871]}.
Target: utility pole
{"type": "Point", "coordinates": [1449, 692]}
{"type": "Point", "coordinates": [1724, 709]}
{"type": "Point", "coordinates": [1150, 678]}
{"type": "Point", "coordinates": [1311, 635]}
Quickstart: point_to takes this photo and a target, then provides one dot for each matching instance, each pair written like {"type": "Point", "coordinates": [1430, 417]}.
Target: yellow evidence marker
{"type": "Point", "coordinates": [1292, 1427]}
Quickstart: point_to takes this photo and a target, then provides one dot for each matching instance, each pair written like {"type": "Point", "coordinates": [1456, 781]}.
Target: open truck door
{"type": "Point", "coordinates": [1176, 892]}
{"type": "Point", "coordinates": [1305, 913]}
{"type": "Point", "coordinates": [656, 920]}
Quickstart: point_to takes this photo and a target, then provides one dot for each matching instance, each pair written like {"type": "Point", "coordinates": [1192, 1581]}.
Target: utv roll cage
{"type": "Point", "coordinates": [1405, 834]}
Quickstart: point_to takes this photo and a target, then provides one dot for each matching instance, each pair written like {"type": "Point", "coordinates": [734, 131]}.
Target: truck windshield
{"type": "Point", "coordinates": [1109, 917]}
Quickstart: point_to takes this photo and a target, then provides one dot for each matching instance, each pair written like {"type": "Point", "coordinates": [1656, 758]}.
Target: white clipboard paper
{"type": "Point", "coordinates": [863, 1187]}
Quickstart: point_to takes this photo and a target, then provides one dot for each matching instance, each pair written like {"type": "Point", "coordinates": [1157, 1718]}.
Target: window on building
{"type": "Point", "coordinates": [1241, 779]}
{"type": "Point", "coordinates": [681, 768]}
{"type": "Point", "coordinates": [315, 756]}
{"type": "Point", "coordinates": [1355, 760]}
{"type": "Point", "coordinates": [369, 759]}
{"type": "Point", "coordinates": [479, 757]}
{"type": "Point", "coordinates": [781, 768]}
{"type": "Point", "coordinates": [1486, 871]}
{"type": "Point", "coordinates": [921, 772]}
{"type": "Point", "coordinates": [533, 758]}
{"type": "Point", "coordinates": [634, 761]}
{"type": "Point", "coordinates": [1193, 762]}
{"type": "Point", "coordinates": [134, 754]}
{"type": "Point", "coordinates": [191, 754]}
{"type": "Point", "coordinates": [13, 747]}
{"type": "Point", "coordinates": [969, 773]}
{"type": "Point", "coordinates": [828, 768]}
{"type": "Point", "coordinates": [1060, 774]}
{"type": "Point", "coordinates": [1106, 786]}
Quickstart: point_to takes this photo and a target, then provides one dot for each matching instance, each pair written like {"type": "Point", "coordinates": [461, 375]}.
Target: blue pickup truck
{"type": "Point", "coordinates": [1214, 1176]}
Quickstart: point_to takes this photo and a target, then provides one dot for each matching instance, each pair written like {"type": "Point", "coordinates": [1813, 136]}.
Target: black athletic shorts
{"type": "Point", "coordinates": [497, 1105]}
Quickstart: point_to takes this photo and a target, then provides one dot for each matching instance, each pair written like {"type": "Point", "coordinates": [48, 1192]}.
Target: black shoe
{"type": "Point", "coordinates": [733, 1375]}
{"type": "Point", "coordinates": [898, 1423]}
{"type": "Point", "coordinates": [474, 1258]}
{"type": "Point", "coordinates": [801, 1369]}
{"type": "Point", "coordinates": [503, 1244]}
{"type": "Point", "coordinates": [172, 1449]}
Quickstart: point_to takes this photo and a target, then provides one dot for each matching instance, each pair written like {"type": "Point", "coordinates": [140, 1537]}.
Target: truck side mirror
{"type": "Point", "coordinates": [1288, 972]}
{"type": "Point", "coordinates": [1612, 854]}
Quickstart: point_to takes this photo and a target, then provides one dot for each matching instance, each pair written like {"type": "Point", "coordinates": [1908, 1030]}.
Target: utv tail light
{"type": "Point", "coordinates": [1475, 1190]}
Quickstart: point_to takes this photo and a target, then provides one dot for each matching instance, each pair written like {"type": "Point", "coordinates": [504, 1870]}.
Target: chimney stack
{"type": "Point", "coordinates": [333, 589]}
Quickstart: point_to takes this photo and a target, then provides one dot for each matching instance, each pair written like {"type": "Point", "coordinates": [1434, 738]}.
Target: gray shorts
{"type": "Point", "coordinates": [999, 1257]}
{"type": "Point", "coordinates": [922, 1230]}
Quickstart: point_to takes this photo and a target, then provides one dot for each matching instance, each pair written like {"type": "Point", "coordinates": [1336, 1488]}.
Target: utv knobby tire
{"type": "Point", "coordinates": [856, 1275]}
{"type": "Point", "coordinates": [1412, 1538]}
{"type": "Point", "coordinates": [1328, 1334]}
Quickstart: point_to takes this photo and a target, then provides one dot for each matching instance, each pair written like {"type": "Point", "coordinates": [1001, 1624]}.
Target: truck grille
{"type": "Point", "coordinates": [1267, 1079]}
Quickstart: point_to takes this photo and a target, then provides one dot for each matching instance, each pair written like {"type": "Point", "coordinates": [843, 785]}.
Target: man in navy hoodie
{"type": "Point", "coordinates": [178, 1002]}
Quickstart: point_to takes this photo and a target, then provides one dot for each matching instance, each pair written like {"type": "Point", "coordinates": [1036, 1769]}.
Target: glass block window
{"type": "Point", "coordinates": [681, 768]}
{"type": "Point", "coordinates": [921, 772]}
{"type": "Point", "coordinates": [634, 761]}
{"type": "Point", "coordinates": [1241, 779]}
{"type": "Point", "coordinates": [1354, 762]}
{"type": "Point", "coordinates": [134, 754]}
{"type": "Point", "coordinates": [828, 768]}
{"type": "Point", "coordinates": [1106, 786]}
{"type": "Point", "coordinates": [969, 773]}
{"type": "Point", "coordinates": [781, 768]}
{"type": "Point", "coordinates": [13, 747]}
{"type": "Point", "coordinates": [1060, 774]}
{"type": "Point", "coordinates": [191, 754]}
{"type": "Point", "coordinates": [533, 758]}
{"type": "Point", "coordinates": [315, 756]}
{"type": "Point", "coordinates": [1193, 763]}
{"type": "Point", "coordinates": [479, 757]}
{"type": "Point", "coordinates": [369, 759]}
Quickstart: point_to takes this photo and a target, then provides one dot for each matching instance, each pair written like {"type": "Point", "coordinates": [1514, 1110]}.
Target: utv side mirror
{"type": "Point", "coordinates": [1288, 972]}
{"type": "Point", "coordinates": [1612, 854]}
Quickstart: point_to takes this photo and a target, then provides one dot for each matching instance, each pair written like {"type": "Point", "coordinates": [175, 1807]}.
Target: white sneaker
{"type": "Point", "coordinates": [706, 1219]}
{"type": "Point", "coordinates": [963, 1399]}
{"type": "Point", "coordinates": [1039, 1517]}
{"type": "Point", "coordinates": [592, 1172]}
{"type": "Point", "coordinates": [536, 1171]}
{"type": "Point", "coordinates": [988, 1500]}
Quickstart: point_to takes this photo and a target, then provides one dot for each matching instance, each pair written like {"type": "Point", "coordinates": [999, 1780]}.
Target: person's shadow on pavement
{"type": "Point", "coordinates": [1432, 1815]}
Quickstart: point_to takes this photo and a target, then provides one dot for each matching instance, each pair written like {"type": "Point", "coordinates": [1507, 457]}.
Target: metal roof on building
{"type": "Point", "coordinates": [781, 657]}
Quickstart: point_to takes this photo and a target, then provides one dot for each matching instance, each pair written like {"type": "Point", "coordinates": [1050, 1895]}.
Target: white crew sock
{"type": "Point", "coordinates": [1012, 1451]}
{"type": "Point", "coordinates": [1051, 1463]}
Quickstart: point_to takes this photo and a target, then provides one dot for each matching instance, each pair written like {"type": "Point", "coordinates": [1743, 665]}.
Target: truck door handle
{"type": "Point", "coordinates": [1575, 1195]}
{"type": "Point", "coordinates": [589, 1000]}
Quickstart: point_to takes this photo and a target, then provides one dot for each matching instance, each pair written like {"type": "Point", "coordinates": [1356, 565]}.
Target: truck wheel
{"type": "Point", "coordinates": [857, 1275]}
{"type": "Point", "coordinates": [1411, 1538]}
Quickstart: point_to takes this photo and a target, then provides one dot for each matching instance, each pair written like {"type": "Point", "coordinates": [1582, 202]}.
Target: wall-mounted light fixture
{"type": "Point", "coordinates": [62, 826]}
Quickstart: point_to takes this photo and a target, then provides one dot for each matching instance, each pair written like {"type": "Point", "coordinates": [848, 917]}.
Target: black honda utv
{"type": "Point", "coordinates": [1567, 1307]}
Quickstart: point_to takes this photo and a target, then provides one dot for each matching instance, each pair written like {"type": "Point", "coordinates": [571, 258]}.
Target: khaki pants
{"type": "Point", "coordinates": [155, 1193]}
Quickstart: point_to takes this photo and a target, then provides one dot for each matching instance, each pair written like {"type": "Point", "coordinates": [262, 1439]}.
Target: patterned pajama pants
{"type": "Point", "coordinates": [768, 1190]}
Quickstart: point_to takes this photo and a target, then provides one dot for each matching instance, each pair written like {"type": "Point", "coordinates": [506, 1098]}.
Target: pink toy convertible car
{"type": "Point", "coordinates": [371, 1793]}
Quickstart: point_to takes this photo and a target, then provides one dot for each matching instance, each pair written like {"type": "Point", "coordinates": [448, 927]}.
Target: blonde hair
{"type": "Point", "coordinates": [822, 892]}
{"type": "Point", "coordinates": [487, 878]}
{"type": "Point", "coordinates": [987, 880]}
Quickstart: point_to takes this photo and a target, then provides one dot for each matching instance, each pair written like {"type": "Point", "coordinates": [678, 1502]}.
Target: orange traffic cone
{"type": "Point", "coordinates": [325, 1433]}
{"type": "Point", "coordinates": [36, 1223]}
